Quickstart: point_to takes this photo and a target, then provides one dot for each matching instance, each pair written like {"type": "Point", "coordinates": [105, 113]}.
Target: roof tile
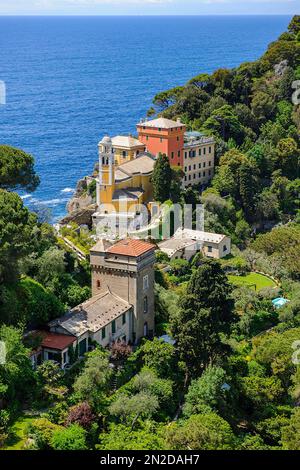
{"type": "Point", "coordinates": [162, 123]}
{"type": "Point", "coordinates": [56, 341]}
{"type": "Point", "coordinates": [131, 247]}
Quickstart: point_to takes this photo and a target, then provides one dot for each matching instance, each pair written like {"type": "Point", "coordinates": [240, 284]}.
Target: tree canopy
{"type": "Point", "coordinates": [17, 170]}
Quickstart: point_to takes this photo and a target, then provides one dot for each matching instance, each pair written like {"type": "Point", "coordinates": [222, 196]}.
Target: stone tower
{"type": "Point", "coordinates": [106, 179]}
{"type": "Point", "coordinates": [127, 269]}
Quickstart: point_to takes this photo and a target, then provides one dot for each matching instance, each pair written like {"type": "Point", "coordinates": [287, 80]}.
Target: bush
{"type": "Point", "coordinates": [81, 414]}
{"type": "Point", "coordinates": [120, 351]}
{"type": "Point", "coordinates": [201, 432]}
{"type": "Point", "coordinates": [71, 438]}
{"type": "Point", "coordinates": [41, 431]}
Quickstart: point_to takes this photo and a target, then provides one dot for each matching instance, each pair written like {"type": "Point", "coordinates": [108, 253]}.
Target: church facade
{"type": "Point", "coordinates": [126, 164]}
{"type": "Point", "coordinates": [124, 183]}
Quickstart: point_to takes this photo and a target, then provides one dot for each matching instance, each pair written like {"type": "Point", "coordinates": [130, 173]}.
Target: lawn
{"type": "Point", "coordinates": [253, 280]}
{"type": "Point", "coordinates": [17, 437]}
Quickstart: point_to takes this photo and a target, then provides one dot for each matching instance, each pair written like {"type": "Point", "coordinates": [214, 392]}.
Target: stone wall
{"type": "Point", "coordinates": [125, 277]}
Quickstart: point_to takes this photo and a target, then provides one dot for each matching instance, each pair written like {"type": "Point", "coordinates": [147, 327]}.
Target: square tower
{"type": "Point", "coordinates": [127, 269]}
{"type": "Point", "coordinates": [163, 136]}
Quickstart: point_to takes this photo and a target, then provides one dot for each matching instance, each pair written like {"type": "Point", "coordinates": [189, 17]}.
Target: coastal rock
{"type": "Point", "coordinates": [80, 217]}
{"type": "Point", "coordinates": [82, 198]}
{"type": "Point", "coordinates": [81, 187]}
{"type": "Point", "coordinates": [280, 68]}
{"type": "Point", "coordinates": [79, 203]}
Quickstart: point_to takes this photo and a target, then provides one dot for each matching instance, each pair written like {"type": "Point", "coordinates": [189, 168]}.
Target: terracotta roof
{"type": "Point", "coordinates": [162, 123]}
{"type": "Point", "coordinates": [130, 247]}
{"type": "Point", "coordinates": [56, 341]}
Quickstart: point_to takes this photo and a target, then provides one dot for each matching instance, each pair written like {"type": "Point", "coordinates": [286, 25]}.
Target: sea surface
{"type": "Point", "coordinates": [72, 79]}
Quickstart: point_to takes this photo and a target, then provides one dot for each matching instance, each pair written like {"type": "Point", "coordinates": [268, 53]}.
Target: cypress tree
{"type": "Point", "coordinates": [248, 188]}
{"type": "Point", "coordinates": [161, 178]}
{"type": "Point", "coordinates": [206, 312]}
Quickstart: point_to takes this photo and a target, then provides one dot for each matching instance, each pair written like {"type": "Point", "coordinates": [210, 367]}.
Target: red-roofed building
{"type": "Point", "coordinates": [56, 347]}
{"type": "Point", "coordinates": [130, 247]}
{"type": "Point", "coordinates": [127, 269]}
{"type": "Point", "coordinates": [121, 308]}
{"type": "Point", "coordinates": [57, 342]}
{"type": "Point", "coordinates": [163, 136]}
{"type": "Point", "coordinates": [51, 347]}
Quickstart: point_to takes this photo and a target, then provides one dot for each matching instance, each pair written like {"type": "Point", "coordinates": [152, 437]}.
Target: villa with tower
{"type": "Point", "coordinates": [126, 165]}
{"type": "Point", "coordinates": [121, 307]}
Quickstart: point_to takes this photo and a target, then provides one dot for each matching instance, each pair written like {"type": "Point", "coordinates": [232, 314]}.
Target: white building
{"type": "Point", "coordinates": [198, 159]}
{"type": "Point", "coordinates": [213, 245]}
{"type": "Point", "coordinates": [179, 248]}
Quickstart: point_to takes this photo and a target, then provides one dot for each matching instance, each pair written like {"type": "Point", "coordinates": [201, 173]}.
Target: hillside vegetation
{"type": "Point", "coordinates": [231, 380]}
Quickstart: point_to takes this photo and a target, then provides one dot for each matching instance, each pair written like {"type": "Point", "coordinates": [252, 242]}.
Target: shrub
{"type": "Point", "coordinates": [81, 414]}
{"type": "Point", "coordinates": [41, 431]}
{"type": "Point", "coordinates": [120, 351]}
{"type": "Point", "coordinates": [71, 438]}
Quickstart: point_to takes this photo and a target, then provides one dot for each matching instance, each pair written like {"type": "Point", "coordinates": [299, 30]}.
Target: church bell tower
{"type": "Point", "coordinates": [106, 181]}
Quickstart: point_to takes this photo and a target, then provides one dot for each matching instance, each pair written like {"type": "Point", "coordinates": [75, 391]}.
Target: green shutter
{"type": "Point", "coordinates": [103, 333]}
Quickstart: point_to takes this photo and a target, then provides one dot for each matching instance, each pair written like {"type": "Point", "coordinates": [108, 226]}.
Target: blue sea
{"type": "Point", "coordinates": [72, 79]}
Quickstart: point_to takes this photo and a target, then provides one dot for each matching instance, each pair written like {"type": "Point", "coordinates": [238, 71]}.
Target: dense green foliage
{"type": "Point", "coordinates": [161, 179]}
{"type": "Point", "coordinates": [206, 311]}
{"type": "Point", "coordinates": [249, 111]}
{"type": "Point", "coordinates": [17, 169]}
{"type": "Point", "coordinates": [228, 376]}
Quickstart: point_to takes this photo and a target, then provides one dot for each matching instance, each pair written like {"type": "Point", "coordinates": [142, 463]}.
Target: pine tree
{"type": "Point", "coordinates": [161, 179]}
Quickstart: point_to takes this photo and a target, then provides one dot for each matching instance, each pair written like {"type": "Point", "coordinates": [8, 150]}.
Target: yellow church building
{"type": "Point", "coordinates": [124, 182]}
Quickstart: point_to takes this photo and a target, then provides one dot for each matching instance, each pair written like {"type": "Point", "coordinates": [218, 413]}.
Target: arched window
{"type": "Point", "coordinates": [98, 284]}
{"type": "Point", "coordinates": [146, 331]}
